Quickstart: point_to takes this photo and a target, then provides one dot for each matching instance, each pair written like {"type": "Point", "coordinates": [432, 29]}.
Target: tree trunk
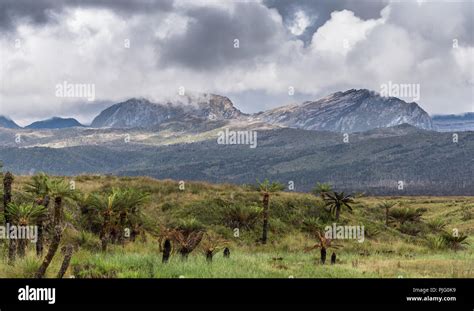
{"type": "Point", "coordinates": [184, 253]}
{"type": "Point", "coordinates": [338, 211]}
{"type": "Point", "coordinates": [166, 251]}
{"type": "Point", "coordinates": [7, 193]}
{"type": "Point", "coordinates": [21, 246]}
{"type": "Point", "coordinates": [7, 199]}
{"type": "Point", "coordinates": [121, 236]}
{"type": "Point", "coordinates": [266, 198]}
{"type": "Point", "coordinates": [51, 252]}
{"type": "Point", "coordinates": [104, 234]}
{"type": "Point", "coordinates": [11, 252]}
{"type": "Point", "coordinates": [333, 258]}
{"type": "Point", "coordinates": [57, 211]}
{"type": "Point", "coordinates": [67, 259]}
{"type": "Point", "coordinates": [226, 252]}
{"type": "Point", "coordinates": [323, 255]}
{"type": "Point", "coordinates": [40, 224]}
{"type": "Point", "coordinates": [40, 241]}
{"type": "Point", "coordinates": [209, 256]}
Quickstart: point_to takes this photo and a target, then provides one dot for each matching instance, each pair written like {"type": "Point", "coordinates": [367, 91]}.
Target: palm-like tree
{"type": "Point", "coordinates": [323, 244]}
{"type": "Point", "coordinates": [266, 187]}
{"type": "Point", "coordinates": [210, 244]}
{"type": "Point", "coordinates": [455, 242]}
{"type": "Point", "coordinates": [129, 212]}
{"type": "Point", "coordinates": [321, 189]}
{"type": "Point", "coordinates": [105, 205]}
{"type": "Point", "coordinates": [38, 189]}
{"type": "Point", "coordinates": [186, 234]}
{"type": "Point", "coordinates": [60, 191]}
{"type": "Point", "coordinates": [23, 215]}
{"type": "Point", "coordinates": [187, 241]}
{"type": "Point", "coordinates": [119, 208]}
{"type": "Point", "coordinates": [336, 200]}
{"type": "Point", "coordinates": [387, 205]}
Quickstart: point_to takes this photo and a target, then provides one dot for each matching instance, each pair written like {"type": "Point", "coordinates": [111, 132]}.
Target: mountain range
{"type": "Point", "coordinates": [356, 140]}
{"type": "Point", "coordinates": [347, 112]}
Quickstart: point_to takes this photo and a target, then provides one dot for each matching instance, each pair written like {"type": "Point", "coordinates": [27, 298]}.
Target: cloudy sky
{"type": "Point", "coordinates": [148, 48]}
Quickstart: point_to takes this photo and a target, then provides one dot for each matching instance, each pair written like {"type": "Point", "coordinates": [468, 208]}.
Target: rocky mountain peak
{"type": "Point", "coordinates": [349, 111]}
{"type": "Point", "coordinates": [141, 112]}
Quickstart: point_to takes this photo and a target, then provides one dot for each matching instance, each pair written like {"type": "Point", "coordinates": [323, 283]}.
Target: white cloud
{"type": "Point", "coordinates": [299, 24]}
{"type": "Point", "coordinates": [342, 32]}
{"type": "Point", "coordinates": [404, 45]}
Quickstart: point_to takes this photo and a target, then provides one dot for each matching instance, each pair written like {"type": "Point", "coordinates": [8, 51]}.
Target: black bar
{"type": "Point", "coordinates": [243, 291]}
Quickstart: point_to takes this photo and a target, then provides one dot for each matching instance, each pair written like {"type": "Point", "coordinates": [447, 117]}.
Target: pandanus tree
{"type": "Point", "coordinates": [266, 188]}
{"type": "Point", "coordinates": [387, 205]}
{"type": "Point", "coordinates": [38, 189]}
{"type": "Point", "coordinates": [336, 200]}
{"type": "Point", "coordinates": [129, 212]}
{"type": "Point", "coordinates": [165, 236]}
{"type": "Point", "coordinates": [105, 205]}
{"type": "Point", "coordinates": [210, 244]}
{"type": "Point", "coordinates": [22, 216]}
{"type": "Point", "coordinates": [187, 235]}
{"type": "Point", "coordinates": [454, 241]}
{"type": "Point", "coordinates": [187, 241]}
{"type": "Point", "coordinates": [117, 210]}
{"type": "Point", "coordinates": [323, 244]}
{"type": "Point", "coordinates": [60, 191]}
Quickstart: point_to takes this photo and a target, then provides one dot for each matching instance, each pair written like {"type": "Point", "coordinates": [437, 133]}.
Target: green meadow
{"type": "Point", "coordinates": [425, 237]}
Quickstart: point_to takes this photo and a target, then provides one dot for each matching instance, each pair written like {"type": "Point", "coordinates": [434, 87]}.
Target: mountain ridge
{"type": "Point", "coordinates": [354, 110]}
{"type": "Point", "coordinates": [141, 112]}
{"type": "Point", "coordinates": [54, 123]}
{"type": "Point", "coordinates": [6, 122]}
{"type": "Point", "coordinates": [349, 111]}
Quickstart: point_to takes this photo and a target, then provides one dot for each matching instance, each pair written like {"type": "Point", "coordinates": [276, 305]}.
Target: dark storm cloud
{"type": "Point", "coordinates": [39, 11]}
{"type": "Point", "coordinates": [208, 41]}
{"type": "Point", "coordinates": [364, 9]}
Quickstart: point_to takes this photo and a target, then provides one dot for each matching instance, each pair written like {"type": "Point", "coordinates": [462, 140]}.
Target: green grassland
{"type": "Point", "coordinates": [387, 252]}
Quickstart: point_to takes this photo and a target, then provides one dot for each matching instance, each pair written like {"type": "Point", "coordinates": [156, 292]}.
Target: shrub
{"type": "Point", "coordinates": [406, 214]}
{"type": "Point", "coordinates": [437, 224]}
{"type": "Point", "coordinates": [410, 229]}
{"type": "Point", "coordinates": [466, 213]}
{"type": "Point", "coordinates": [454, 241]}
{"type": "Point", "coordinates": [241, 216]}
{"type": "Point", "coordinates": [435, 242]}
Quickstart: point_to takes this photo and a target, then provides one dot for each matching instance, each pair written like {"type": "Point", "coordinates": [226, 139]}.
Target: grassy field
{"type": "Point", "coordinates": [387, 252]}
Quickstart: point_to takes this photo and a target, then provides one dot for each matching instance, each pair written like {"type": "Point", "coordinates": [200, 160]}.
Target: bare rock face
{"type": "Point", "coordinates": [140, 112]}
{"type": "Point", "coordinates": [350, 111]}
